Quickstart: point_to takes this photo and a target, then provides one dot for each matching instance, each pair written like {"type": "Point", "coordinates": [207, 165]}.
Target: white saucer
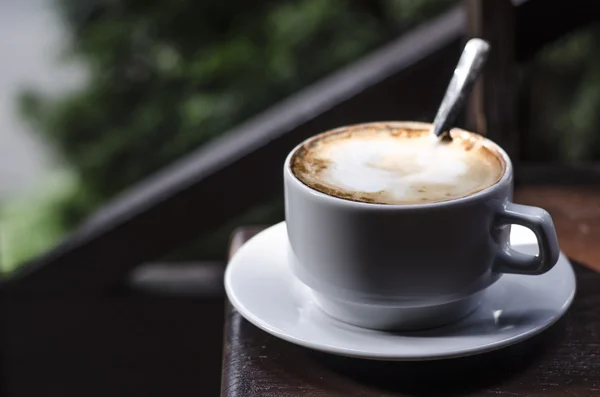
{"type": "Point", "coordinates": [262, 288]}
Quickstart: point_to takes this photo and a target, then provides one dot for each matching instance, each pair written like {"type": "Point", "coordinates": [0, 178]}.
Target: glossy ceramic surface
{"type": "Point", "coordinates": [262, 288]}
{"type": "Point", "coordinates": [358, 256]}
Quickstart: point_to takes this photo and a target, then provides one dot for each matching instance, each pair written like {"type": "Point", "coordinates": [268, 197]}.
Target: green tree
{"type": "Point", "coordinates": [167, 76]}
{"type": "Point", "coordinates": [563, 85]}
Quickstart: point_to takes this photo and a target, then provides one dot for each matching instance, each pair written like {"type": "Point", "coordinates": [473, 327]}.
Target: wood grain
{"type": "Point", "coordinates": [562, 361]}
{"type": "Point", "coordinates": [576, 215]}
{"type": "Point", "coordinates": [492, 109]}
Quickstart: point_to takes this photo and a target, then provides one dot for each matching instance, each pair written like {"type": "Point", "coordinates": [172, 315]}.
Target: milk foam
{"type": "Point", "coordinates": [385, 168]}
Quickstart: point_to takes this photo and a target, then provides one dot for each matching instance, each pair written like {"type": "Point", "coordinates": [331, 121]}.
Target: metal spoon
{"type": "Point", "coordinates": [469, 65]}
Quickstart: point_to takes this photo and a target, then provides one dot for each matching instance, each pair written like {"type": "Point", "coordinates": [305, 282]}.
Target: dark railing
{"type": "Point", "coordinates": [70, 318]}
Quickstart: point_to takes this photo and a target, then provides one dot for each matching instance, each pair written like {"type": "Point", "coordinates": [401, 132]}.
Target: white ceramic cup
{"type": "Point", "coordinates": [411, 266]}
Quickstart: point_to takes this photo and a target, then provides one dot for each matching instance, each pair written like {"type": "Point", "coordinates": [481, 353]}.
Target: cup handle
{"type": "Point", "coordinates": [537, 220]}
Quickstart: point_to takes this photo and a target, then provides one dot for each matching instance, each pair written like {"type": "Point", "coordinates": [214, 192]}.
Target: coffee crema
{"type": "Point", "coordinates": [397, 163]}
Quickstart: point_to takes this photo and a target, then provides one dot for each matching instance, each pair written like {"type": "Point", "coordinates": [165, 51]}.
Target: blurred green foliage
{"type": "Point", "coordinates": [166, 76]}
{"type": "Point", "coordinates": [563, 89]}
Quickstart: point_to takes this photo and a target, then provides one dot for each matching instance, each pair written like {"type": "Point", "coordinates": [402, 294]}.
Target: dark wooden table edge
{"type": "Point", "coordinates": [239, 237]}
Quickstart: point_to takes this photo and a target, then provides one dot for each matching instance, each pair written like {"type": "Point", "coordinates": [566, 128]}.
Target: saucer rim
{"type": "Point", "coordinates": [351, 353]}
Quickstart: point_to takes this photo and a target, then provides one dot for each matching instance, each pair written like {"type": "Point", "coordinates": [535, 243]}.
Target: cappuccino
{"type": "Point", "coordinates": [397, 163]}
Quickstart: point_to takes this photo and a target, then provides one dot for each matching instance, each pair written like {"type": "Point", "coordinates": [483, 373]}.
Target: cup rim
{"type": "Point", "coordinates": [506, 176]}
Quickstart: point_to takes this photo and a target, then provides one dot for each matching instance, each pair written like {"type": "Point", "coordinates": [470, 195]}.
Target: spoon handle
{"type": "Point", "coordinates": [469, 65]}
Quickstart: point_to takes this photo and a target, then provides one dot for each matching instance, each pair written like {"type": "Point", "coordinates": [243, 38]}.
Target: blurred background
{"type": "Point", "coordinates": [96, 95]}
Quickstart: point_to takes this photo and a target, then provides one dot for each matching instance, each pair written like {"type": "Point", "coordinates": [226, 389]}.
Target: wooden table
{"type": "Point", "coordinates": [562, 361]}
